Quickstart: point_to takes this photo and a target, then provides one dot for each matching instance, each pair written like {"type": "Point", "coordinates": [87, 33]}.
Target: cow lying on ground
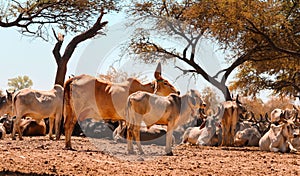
{"type": "Point", "coordinates": [278, 138]}
{"type": "Point", "coordinates": [194, 121]}
{"type": "Point", "coordinates": [232, 111]}
{"type": "Point", "coordinates": [38, 105]}
{"type": "Point", "coordinates": [247, 137]}
{"type": "Point", "coordinates": [98, 129]}
{"type": "Point", "coordinates": [156, 134]}
{"type": "Point", "coordinates": [206, 134]}
{"type": "Point", "coordinates": [89, 97]}
{"type": "Point", "coordinates": [153, 109]}
{"type": "Point", "coordinates": [28, 126]}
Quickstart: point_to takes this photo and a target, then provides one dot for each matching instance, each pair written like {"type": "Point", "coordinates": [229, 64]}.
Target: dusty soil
{"type": "Point", "coordinates": [40, 156]}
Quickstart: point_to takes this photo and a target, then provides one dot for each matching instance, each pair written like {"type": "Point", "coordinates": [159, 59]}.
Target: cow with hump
{"type": "Point", "coordinates": [38, 105]}
{"type": "Point", "coordinates": [278, 138]}
{"type": "Point", "coordinates": [231, 113]}
{"type": "Point", "coordinates": [172, 111]}
{"type": "Point", "coordinates": [89, 97]}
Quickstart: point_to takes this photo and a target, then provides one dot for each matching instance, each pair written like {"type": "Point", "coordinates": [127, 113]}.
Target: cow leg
{"type": "Point", "coordinates": [224, 135]}
{"type": "Point", "coordinates": [293, 150]}
{"type": "Point", "coordinates": [17, 127]}
{"type": "Point", "coordinates": [136, 134]}
{"type": "Point", "coordinates": [51, 124]}
{"type": "Point", "coordinates": [57, 126]}
{"type": "Point", "coordinates": [169, 137]}
{"type": "Point", "coordinates": [69, 127]}
{"type": "Point", "coordinates": [129, 138]}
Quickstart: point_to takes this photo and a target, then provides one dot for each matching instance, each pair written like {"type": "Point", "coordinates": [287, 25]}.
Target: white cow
{"type": "Point", "coordinates": [278, 138]}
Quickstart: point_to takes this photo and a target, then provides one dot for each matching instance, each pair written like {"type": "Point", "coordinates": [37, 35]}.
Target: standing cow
{"type": "Point", "coordinates": [38, 105]}
{"type": "Point", "coordinates": [89, 97]}
{"type": "Point", "coordinates": [153, 109]}
{"type": "Point", "coordinates": [232, 111]}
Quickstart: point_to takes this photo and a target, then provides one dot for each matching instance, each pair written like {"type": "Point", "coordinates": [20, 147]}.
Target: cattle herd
{"type": "Point", "coordinates": [152, 113]}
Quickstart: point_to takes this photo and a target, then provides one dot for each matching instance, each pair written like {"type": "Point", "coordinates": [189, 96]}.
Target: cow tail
{"type": "Point", "coordinates": [67, 98]}
{"type": "Point", "coordinates": [14, 99]}
{"type": "Point", "coordinates": [128, 116]}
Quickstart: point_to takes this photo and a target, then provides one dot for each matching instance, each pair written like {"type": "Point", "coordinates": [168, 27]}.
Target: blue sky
{"type": "Point", "coordinates": [22, 55]}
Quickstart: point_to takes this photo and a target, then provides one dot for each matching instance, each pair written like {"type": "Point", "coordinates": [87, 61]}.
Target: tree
{"type": "Point", "coordinates": [211, 99]}
{"type": "Point", "coordinates": [19, 83]}
{"type": "Point", "coordinates": [249, 31]}
{"type": "Point", "coordinates": [118, 76]}
{"type": "Point", "coordinates": [36, 18]}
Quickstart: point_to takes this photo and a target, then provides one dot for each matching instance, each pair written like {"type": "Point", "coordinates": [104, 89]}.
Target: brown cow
{"type": "Point", "coordinates": [38, 105]}
{"type": "Point", "coordinates": [232, 111]}
{"type": "Point", "coordinates": [172, 111]}
{"type": "Point", "coordinates": [90, 97]}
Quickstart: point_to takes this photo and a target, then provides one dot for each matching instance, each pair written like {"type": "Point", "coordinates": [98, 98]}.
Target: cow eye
{"type": "Point", "coordinates": [165, 83]}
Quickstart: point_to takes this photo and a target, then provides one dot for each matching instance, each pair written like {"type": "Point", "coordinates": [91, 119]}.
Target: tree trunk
{"type": "Point", "coordinates": [61, 73]}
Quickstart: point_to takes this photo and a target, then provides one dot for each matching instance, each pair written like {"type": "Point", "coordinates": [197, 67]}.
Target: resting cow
{"type": "Point", "coordinates": [206, 134]}
{"type": "Point", "coordinates": [153, 109]}
{"type": "Point", "coordinates": [247, 137]}
{"type": "Point", "coordinates": [89, 97]}
{"type": "Point", "coordinates": [38, 105]}
{"type": "Point", "coordinates": [156, 134]}
{"type": "Point", "coordinates": [278, 138]}
{"type": "Point", "coordinates": [232, 111]}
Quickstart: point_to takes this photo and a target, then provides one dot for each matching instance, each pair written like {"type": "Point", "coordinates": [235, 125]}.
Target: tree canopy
{"type": "Point", "coordinates": [36, 18]}
{"type": "Point", "coordinates": [19, 82]}
{"type": "Point", "coordinates": [251, 33]}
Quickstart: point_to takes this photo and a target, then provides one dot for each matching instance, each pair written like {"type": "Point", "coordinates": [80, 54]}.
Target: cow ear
{"type": "Point", "coordinates": [157, 73]}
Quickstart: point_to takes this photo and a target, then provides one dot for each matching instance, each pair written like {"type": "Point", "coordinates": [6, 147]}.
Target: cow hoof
{"type": "Point", "coordinates": [141, 153]}
{"type": "Point", "coordinates": [131, 152]}
{"type": "Point", "coordinates": [13, 138]}
{"type": "Point", "coordinates": [293, 150]}
{"type": "Point", "coordinates": [21, 139]}
{"type": "Point", "coordinates": [69, 148]}
{"type": "Point", "coordinates": [170, 154]}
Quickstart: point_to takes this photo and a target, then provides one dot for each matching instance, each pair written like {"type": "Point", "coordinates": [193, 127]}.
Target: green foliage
{"type": "Point", "coordinates": [261, 37]}
{"type": "Point", "coordinates": [19, 83]}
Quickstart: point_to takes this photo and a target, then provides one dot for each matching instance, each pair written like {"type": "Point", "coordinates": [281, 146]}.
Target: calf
{"type": "Point", "coordinates": [278, 138]}
{"type": "Point", "coordinates": [153, 109]}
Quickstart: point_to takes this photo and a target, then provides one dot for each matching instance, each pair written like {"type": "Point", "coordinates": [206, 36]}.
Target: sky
{"type": "Point", "coordinates": [22, 55]}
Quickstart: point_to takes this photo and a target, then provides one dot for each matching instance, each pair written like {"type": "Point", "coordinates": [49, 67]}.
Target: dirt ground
{"type": "Point", "coordinates": [40, 156]}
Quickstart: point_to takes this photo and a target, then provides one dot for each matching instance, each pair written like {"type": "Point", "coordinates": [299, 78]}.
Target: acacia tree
{"type": "Point", "coordinates": [36, 18]}
{"type": "Point", "coordinates": [251, 31]}
{"type": "Point", "coordinates": [19, 83]}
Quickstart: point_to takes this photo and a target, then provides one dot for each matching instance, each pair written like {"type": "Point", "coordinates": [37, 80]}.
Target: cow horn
{"type": "Point", "coordinates": [157, 73]}
{"type": "Point", "coordinates": [237, 99]}
{"type": "Point", "coordinates": [218, 112]}
{"type": "Point", "coordinates": [267, 118]}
